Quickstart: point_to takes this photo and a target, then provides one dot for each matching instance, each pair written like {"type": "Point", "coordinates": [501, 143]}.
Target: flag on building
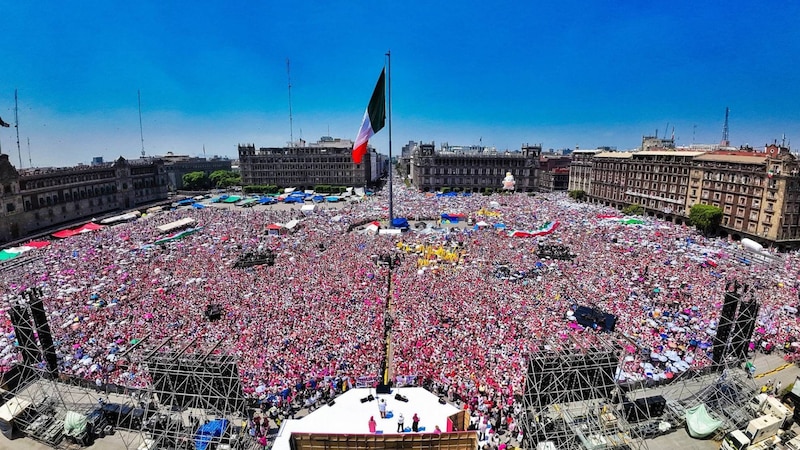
{"type": "Point", "coordinates": [374, 119]}
{"type": "Point", "coordinates": [3, 124]}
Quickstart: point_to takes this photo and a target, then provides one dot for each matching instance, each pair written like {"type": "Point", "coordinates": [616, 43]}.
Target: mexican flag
{"type": "Point", "coordinates": [374, 119]}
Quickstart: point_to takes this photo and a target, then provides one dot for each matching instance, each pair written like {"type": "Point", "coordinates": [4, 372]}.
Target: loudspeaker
{"type": "Point", "coordinates": [400, 398]}
{"type": "Point", "coordinates": [724, 326]}
{"type": "Point", "coordinates": [383, 389]}
{"type": "Point", "coordinates": [23, 330]}
{"type": "Point", "coordinates": [743, 328]}
{"type": "Point", "coordinates": [370, 398]}
{"type": "Point", "coordinates": [331, 402]}
{"type": "Point", "coordinates": [644, 408]}
{"type": "Point", "coordinates": [45, 337]}
{"type": "Point", "coordinates": [442, 401]}
{"type": "Point", "coordinates": [365, 400]}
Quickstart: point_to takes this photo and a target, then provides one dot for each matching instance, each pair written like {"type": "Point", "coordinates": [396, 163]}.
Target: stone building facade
{"type": "Point", "coordinates": [474, 171]}
{"type": "Point", "coordinates": [328, 162]}
{"type": "Point", "coordinates": [580, 169]}
{"type": "Point", "coordinates": [36, 200]}
{"type": "Point", "coordinates": [758, 192]}
{"type": "Point", "coordinates": [554, 172]}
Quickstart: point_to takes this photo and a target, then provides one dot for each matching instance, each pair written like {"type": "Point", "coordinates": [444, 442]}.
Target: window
{"type": "Point", "coordinates": [10, 207]}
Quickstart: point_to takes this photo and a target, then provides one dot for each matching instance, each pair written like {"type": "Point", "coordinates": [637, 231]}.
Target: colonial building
{"type": "Point", "coordinates": [473, 169]}
{"type": "Point", "coordinates": [554, 172]}
{"type": "Point", "coordinates": [580, 169]}
{"type": "Point", "coordinates": [658, 180]}
{"type": "Point", "coordinates": [609, 178]}
{"type": "Point", "coordinates": [759, 193]}
{"type": "Point", "coordinates": [328, 162]}
{"type": "Point", "coordinates": [39, 199]}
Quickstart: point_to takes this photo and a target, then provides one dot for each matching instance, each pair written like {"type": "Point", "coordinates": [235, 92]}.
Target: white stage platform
{"type": "Point", "coordinates": [349, 416]}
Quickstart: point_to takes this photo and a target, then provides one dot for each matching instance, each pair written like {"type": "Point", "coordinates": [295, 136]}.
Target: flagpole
{"type": "Point", "coordinates": [389, 110]}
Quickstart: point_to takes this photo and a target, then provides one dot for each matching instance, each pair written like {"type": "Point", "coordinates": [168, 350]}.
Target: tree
{"type": "Point", "coordinates": [633, 210]}
{"type": "Point", "coordinates": [578, 195]}
{"type": "Point", "coordinates": [195, 181]}
{"type": "Point", "coordinates": [225, 178]}
{"type": "Point", "coordinates": [705, 217]}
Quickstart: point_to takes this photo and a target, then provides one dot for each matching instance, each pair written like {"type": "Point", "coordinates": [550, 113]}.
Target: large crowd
{"type": "Point", "coordinates": [312, 323]}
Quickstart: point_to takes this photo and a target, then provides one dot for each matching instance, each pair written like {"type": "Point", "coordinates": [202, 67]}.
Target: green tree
{"type": "Point", "coordinates": [633, 210]}
{"type": "Point", "coordinates": [705, 217]}
{"type": "Point", "coordinates": [225, 178]}
{"type": "Point", "coordinates": [195, 181]}
{"type": "Point", "coordinates": [577, 194]}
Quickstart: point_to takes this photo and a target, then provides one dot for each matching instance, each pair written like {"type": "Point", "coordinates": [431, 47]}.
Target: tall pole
{"type": "Point", "coordinates": [389, 110]}
{"type": "Point", "coordinates": [16, 125]}
{"type": "Point", "coordinates": [291, 124]}
{"type": "Point", "coordinates": [141, 132]}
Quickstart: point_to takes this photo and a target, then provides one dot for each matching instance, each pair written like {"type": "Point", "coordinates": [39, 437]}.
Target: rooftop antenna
{"type": "Point", "coordinates": [141, 133]}
{"type": "Point", "coordinates": [783, 140]}
{"type": "Point", "coordinates": [694, 132]}
{"type": "Point", "coordinates": [666, 130]}
{"type": "Point", "coordinates": [291, 124]}
{"type": "Point", "coordinates": [16, 125]}
{"type": "Point", "coordinates": [204, 151]}
{"type": "Point", "coordinates": [30, 162]}
{"type": "Point", "coordinates": [725, 142]}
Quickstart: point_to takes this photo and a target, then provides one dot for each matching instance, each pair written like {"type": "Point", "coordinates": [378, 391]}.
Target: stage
{"type": "Point", "coordinates": [349, 416]}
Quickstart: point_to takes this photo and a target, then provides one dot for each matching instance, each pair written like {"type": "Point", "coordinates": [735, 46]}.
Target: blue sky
{"type": "Point", "coordinates": [503, 73]}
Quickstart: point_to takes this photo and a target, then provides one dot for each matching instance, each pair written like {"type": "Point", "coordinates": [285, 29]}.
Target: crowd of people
{"type": "Point", "coordinates": [312, 324]}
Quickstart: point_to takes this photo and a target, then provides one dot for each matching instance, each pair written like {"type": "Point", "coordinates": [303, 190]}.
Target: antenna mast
{"type": "Point", "coordinates": [30, 162]}
{"type": "Point", "coordinates": [725, 142]}
{"type": "Point", "coordinates": [141, 133]}
{"type": "Point", "coordinates": [291, 124]}
{"type": "Point", "coordinates": [16, 125]}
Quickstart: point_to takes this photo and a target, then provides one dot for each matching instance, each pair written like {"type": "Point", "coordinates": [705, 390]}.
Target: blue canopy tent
{"type": "Point", "coordinates": [185, 202]}
{"type": "Point", "coordinates": [318, 198]}
{"type": "Point", "coordinates": [267, 200]}
{"type": "Point", "coordinates": [208, 431]}
{"type": "Point", "coordinates": [400, 222]}
{"type": "Point", "coordinates": [447, 194]}
{"type": "Point", "coordinates": [332, 199]}
{"type": "Point", "coordinates": [198, 205]}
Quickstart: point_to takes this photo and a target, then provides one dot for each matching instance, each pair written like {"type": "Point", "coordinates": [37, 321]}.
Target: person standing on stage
{"type": "Point", "coordinates": [382, 408]}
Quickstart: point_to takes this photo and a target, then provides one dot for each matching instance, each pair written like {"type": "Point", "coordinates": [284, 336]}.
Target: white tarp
{"type": "Point", "coordinates": [305, 209]}
{"type": "Point", "coordinates": [290, 225]}
{"type": "Point", "coordinates": [123, 217]}
{"type": "Point", "coordinates": [176, 225]}
{"type": "Point", "coordinates": [700, 423]}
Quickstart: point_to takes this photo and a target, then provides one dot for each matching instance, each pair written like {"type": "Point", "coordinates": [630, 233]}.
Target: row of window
{"type": "Point", "coordinates": [111, 201]}
{"type": "Point", "coordinates": [62, 180]}
{"type": "Point", "coordinates": [479, 171]}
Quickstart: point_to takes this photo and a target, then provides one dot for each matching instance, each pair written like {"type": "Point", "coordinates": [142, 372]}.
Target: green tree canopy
{"type": "Point", "coordinates": [578, 195]}
{"type": "Point", "coordinates": [633, 210]}
{"type": "Point", "coordinates": [705, 217]}
{"type": "Point", "coordinates": [225, 178]}
{"type": "Point", "coordinates": [196, 181]}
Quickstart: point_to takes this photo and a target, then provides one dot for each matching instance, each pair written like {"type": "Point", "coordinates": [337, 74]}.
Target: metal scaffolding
{"type": "Point", "coordinates": [42, 396]}
{"type": "Point", "coordinates": [194, 393]}
{"type": "Point", "coordinates": [572, 400]}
